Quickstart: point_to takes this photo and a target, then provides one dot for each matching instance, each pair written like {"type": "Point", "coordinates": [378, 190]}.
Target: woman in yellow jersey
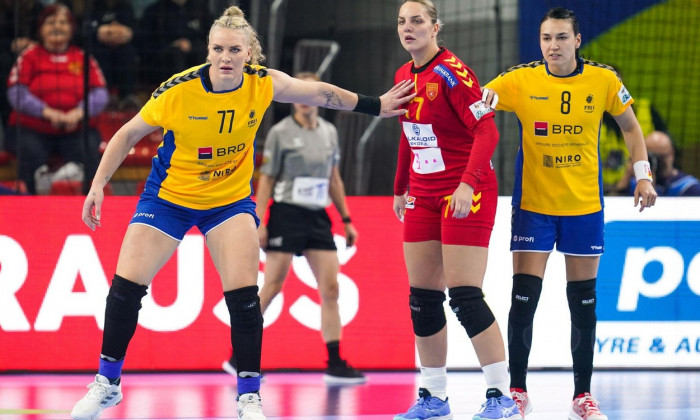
{"type": "Point", "coordinates": [558, 196]}
{"type": "Point", "coordinates": [201, 176]}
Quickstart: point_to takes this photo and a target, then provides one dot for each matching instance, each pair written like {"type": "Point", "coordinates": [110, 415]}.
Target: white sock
{"type": "Point", "coordinates": [435, 381]}
{"type": "Point", "coordinates": [496, 375]}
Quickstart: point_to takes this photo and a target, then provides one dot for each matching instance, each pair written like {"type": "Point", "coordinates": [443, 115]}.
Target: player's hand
{"type": "Point", "coordinates": [644, 194]}
{"type": "Point", "coordinates": [461, 201]}
{"type": "Point", "coordinates": [396, 96]}
{"type": "Point", "coordinates": [92, 207]}
{"type": "Point", "coordinates": [351, 235]}
{"type": "Point", "coordinates": [489, 97]}
{"type": "Point", "coordinates": [400, 206]}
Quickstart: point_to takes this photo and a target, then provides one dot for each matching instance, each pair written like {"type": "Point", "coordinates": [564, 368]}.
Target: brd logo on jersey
{"type": "Point", "coordinates": [541, 128]}
{"type": "Point", "coordinates": [223, 151]}
{"type": "Point", "coordinates": [205, 153]}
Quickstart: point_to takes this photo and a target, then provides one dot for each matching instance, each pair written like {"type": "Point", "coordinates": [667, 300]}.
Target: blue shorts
{"type": "Point", "coordinates": [175, 221]}
{"type": "Point", "coordinates": [573, 235]}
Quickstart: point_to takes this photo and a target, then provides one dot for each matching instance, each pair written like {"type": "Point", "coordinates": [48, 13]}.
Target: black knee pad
{"type": "Point", "coordinates": [427, 312]}
{"type": "Point", "coordinates": [124, 298]}
{"type": "Point", "coordinates": [524, 298]}
{"type": "Point", "coordinates": [244, 309]}
{"type": "Point", "coordinates": [582, 303]}
{"type": "Point", "coordinates": [468, 304]}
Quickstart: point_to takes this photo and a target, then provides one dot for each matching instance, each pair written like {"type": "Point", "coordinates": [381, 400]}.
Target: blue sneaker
{"type": "Point", "coordinates": [427, 408]}
{"type": "Point", "coordinates": [497, 406]}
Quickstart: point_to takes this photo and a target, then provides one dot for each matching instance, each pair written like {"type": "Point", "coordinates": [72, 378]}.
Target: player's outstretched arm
{"type": "Point", "coordinates": [291, 90]}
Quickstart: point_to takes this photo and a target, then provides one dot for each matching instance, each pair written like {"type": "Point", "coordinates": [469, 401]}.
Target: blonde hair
{"type": "Point", "coordinates": [233, 18]}
{"type": "Point", "coordinates": [430, 8]}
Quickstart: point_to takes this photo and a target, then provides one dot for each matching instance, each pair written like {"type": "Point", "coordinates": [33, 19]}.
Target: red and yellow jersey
{"type": "Point", "coordinates": [207, 155]}
{"type": "Point", "coordinates": [558, 168]}
{"type": "Point", "coordinates": [437, 133]}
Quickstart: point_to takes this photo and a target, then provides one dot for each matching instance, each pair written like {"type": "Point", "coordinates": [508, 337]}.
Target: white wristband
{"type": "Point", "coordinates": [642, 170]}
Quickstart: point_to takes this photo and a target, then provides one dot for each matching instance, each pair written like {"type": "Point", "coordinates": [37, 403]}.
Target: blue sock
{"type": "Point", "coordinates": [248, 384]}
{"type": "Point", "coordinates": [111, 370]}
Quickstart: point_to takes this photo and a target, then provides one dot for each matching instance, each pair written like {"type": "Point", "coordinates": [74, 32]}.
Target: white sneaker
{"type": "Point", "coordinates": [101, 395]}
{"type": "Point", "coordinates": [250, 407]}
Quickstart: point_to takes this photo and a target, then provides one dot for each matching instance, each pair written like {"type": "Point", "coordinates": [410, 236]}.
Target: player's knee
{"type": "Point", "coordinates": [427, 312]}
{"type": "Point", "coordinates": [124, 298]}
{"type": "Point", "coordinates": [244, 309]}
{"type": "Point", "coordinates": [473, 313]}
{"type": "Point", "coordinates": [524, 298]}
{"type": "Point", "coordinates": [329, 291]}
{"type": "Point", "coordinates": [582, 302]}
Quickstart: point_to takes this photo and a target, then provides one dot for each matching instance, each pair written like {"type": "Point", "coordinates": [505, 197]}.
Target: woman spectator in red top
{"type": "Point", "coordinates": [45, 90]}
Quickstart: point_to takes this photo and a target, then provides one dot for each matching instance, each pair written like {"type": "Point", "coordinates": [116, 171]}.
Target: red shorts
{"type": "Point", "coordinates": [430, 219]}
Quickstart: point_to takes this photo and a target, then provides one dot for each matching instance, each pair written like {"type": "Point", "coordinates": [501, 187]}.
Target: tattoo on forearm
{"type": "Point", "coordinates": [333, 101]}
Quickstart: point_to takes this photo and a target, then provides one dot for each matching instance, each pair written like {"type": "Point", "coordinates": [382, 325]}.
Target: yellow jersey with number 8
{"type": "Point", "coordinates": [558, 168]}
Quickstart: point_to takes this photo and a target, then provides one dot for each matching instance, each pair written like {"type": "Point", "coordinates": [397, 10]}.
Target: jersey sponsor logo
{"type": "Point", "coordinates": [223, 151]}
{"type": "Point", "coordinates": [479, 109]}
{"type": "Point", "coordinates": [195, 117]}
{"type": "Point", "coordinates": [539, 98]}
{"type": "Point", "coordinates": [566, 129]}
{"type": "Point", "coordinates": [517, 238]}
{"type": "Point", "coordinates": [446, 74]}
{"type": "Point", "coordinates": [410, 202]}
{"type": "Point", "coordinates": [651, 271]}
{"type": "Point", "coordinates": [541, 128]}
{"type": "Point", "coordinates": [419, 135]}
{"type": "Point", "coordinates": [563, 161]}
{"type": "Point", "coordinates": [624, 95]}
{"type": "Point", "coordinates": [144, 215]}
{"type": "Point", "coordinates": [431, 90]}
{"type": "Point", "coordinates": [205, 153]}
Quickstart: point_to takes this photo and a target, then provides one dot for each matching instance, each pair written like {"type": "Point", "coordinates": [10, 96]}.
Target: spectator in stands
{"type": "Point", "coordinates": [173, 35]}
{"type": "Point", "coordinates": [114, 49]}
{"type": "Point", "coordinates": [17, 32]}
{"type": "Point", "coordinates": [45, 90]}
{"type": "Point", "coordinates": [669, 180]}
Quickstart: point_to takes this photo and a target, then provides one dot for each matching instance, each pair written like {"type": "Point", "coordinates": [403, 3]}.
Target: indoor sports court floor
{"type": "Point", "coordinates": [638, 395]}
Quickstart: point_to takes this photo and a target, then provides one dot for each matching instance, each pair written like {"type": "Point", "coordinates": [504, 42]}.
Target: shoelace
{"type": "Point", "coordinates": [97, 390]}
{"type": "Point", "coordinates": [251, 403]}
{"type": "Point", "coordinates": [519, 399]}
{"type": "Point", "coordinates": [491, 402]}
{"type": "Point", "coordinates": [589, 405]}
